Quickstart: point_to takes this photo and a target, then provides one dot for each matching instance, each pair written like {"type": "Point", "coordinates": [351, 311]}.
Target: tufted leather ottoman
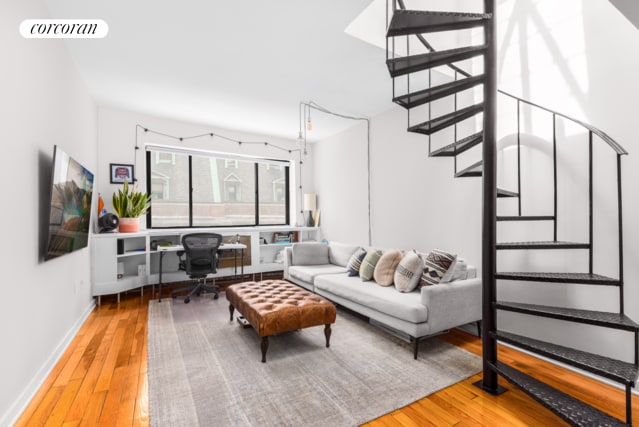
{"type": "Point", "coordinates": [274, 306]}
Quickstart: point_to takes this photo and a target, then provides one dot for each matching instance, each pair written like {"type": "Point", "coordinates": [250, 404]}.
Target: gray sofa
{"type": "Point", "coordinates": [321, 268]}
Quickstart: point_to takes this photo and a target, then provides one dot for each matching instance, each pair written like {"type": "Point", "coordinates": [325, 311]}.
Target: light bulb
{"type": "Point", "coordinates": [309, 125]}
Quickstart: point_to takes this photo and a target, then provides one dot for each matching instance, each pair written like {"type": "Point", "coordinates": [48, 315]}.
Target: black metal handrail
{"type": "Point", "coordinates": [601, 134]}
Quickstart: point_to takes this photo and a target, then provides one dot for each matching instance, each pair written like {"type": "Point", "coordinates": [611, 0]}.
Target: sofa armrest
{"type": "Point", "coordinates": [288, 260]}
{"type": "Point", "coordinates": [452, 304]}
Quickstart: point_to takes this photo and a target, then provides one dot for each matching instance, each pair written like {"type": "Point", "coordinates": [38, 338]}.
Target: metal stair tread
{"type": "Point", "coordinates": [526, 218]}
{"type": "Point", "coordinates": [542, 245]}
{"type": "Point", "coordinates": [570, 409]}
{"type": "Point", "coordinates": [590, 317]}
{"type": "Point", "coordinates": [473, 170]}
{"type": "Point", "coordinates": [583, 278]}
{"type": "Point", "coordinates": [406, 22]}
{"type": "Point", "coordinates": [506, 193]}
{"type": "Point", "coordinates": [434, 93]}
{"type": "Point", "coordinates": [613, 369]}
{"type": "Point", "coordinates": [442, 122]}
{"type": "Point", "coordinates": [413, 63]}
{"type": "Point", "coordinates": [459, 147]}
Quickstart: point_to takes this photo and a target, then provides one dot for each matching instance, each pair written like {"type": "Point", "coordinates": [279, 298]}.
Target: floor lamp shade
{"type": "Point", "coordinates": [310, 204]}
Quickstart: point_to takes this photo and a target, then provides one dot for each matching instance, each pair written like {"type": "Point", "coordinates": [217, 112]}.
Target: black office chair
{"type": "Point", "coordinates": [201, 260]}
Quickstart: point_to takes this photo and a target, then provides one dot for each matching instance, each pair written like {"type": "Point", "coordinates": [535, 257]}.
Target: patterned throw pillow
{"type": "Point", "coordinates": [408, 272]}
{"type": "Point", "coordinates": [367, 269]}
{"type": "Point", "coordinates": [352, 268]}
{"type": "Point", "coordinates": [386, 266]}
{"type": "Point", "coordinates": [437, 264]}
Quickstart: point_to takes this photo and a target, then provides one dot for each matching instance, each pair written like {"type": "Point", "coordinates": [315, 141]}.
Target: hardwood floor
{"type": "Point", "coordinates": [101, 380]}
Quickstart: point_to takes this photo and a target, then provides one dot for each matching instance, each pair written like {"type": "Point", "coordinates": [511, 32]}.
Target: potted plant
{"type": "Point", "coordinates": [130, 206]}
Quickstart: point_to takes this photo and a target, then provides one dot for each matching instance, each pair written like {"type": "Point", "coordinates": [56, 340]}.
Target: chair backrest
{"type": "Point", "coordinates": [201, 253]}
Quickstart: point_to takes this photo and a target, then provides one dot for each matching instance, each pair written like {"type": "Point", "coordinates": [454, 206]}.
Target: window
{"type": "Point", "coordinates": [169, 189]}
{"type": "Point", "coordinates": [273, 206]}
{"type": "Point", "coordinates": [202, 190]}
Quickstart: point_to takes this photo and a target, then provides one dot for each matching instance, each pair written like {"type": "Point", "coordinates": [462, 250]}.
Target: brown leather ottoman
{"type": "Point", "coordinates": [275, 306]}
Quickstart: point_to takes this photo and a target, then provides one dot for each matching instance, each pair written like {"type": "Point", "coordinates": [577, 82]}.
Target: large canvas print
{"type": "Point", "coordinates": [70, 206]}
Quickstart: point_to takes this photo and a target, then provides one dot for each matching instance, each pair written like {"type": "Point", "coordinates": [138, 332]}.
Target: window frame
{"type": "Point", "coordinates": [281, 164]}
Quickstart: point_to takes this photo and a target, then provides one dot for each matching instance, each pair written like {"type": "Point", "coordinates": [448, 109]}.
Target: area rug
{"type": "Point", "coordinates": [205, 370]}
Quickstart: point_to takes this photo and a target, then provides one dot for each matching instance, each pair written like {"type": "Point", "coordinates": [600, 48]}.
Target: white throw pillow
{"type": "Point", "coordinates": [408, 272]}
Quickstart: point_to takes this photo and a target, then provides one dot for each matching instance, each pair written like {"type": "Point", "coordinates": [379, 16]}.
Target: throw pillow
{"type": "Point", "coordinates": [408, 272]}
{"type": "Point", "coordinates": [352, 268]}
{"type": "Point", "coordinates": [437, 264]}
{"type": "Point", "coordinates": [386, 266]}
{"type": "Point", "coordinates": [367, 269]}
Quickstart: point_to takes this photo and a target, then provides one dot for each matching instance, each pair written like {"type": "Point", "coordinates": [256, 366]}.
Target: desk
{"type": "Point", "coordinates": [225, 247]}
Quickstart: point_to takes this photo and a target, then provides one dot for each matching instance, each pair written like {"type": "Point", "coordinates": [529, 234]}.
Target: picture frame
{"type": "Point", "coordinates": [121, 173]}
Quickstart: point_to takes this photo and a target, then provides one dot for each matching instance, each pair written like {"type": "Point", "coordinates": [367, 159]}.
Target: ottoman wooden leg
{"type": "Point", "coordinates": [264, 346]}
{"type": "Point", "coordinates": [327, 334]}
{"type": "Point", "coordinates": [231, 309]}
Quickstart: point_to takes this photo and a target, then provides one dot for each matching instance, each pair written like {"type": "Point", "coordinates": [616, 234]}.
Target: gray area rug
{"type": "Point", "coordinates": [205, 370]}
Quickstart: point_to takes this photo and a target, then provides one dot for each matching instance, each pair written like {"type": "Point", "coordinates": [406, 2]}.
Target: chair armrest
{"type": "Point", "coordinates": [288, 260]}
{"type": "Point", "coordinates": [452, 304]}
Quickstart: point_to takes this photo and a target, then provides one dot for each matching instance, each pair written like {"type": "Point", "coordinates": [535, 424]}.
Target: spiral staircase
{"type": "Point", "coordinates": [413, 25]}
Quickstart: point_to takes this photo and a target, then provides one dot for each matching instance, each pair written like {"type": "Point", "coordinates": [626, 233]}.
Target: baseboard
{"type": "Point", "coordinates": [10, 417]}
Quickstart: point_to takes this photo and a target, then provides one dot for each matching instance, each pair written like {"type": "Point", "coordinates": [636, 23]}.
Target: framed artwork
{"type": "Point", "coordinates": [121, 173]}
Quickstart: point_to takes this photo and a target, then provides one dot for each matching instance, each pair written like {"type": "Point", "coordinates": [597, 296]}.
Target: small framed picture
{"type": "Point", "coordinates": [121, 173]}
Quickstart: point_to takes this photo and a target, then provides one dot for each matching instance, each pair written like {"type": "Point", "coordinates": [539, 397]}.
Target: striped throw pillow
{"type": "Point", "coordinates": [352, 268]}
{"type": "Point", "coordinates": [367, 269]}
{"type": "Point", "coordinates": [437, 263]}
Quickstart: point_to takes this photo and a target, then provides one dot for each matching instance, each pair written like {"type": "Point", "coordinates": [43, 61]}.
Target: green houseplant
{"type": "Point", "coordinates": [130, 205]}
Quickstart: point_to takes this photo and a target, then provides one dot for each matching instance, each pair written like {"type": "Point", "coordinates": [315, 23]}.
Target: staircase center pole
{"type": "Point", "coordinates": [489, 228]}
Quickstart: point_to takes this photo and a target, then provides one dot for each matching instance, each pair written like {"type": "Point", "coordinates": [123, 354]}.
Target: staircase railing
{"type": "Point", "coordinates": [414, 23]}
{"type": "Point", "coordinates": [592, 131]}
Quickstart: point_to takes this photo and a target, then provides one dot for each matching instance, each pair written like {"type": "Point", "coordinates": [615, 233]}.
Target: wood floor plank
{"type": "Point", "coordinates": [56, 417]}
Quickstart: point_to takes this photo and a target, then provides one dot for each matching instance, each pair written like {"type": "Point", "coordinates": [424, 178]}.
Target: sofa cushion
{"type": "Point", "coordinates": [404, 306]}
{"type": "Point", "coordinates": [436, 266]}
{"type": "Point", "coordinates": [310, 253]}
{"type": "Point", "coordinates": [460, 271]}
{"type": "Point", "coordinates": [368, 264]}
{"type": "Point", "coordinates": [307, 273]}
{"type": "Point", "coordinates": [352, 268]}
{"type": "Point", "coordinates": [408, 272]}
{"type": "Point", "coordinates": [340, 253]}
{"type": "Point", "coordinates": [385, 269]}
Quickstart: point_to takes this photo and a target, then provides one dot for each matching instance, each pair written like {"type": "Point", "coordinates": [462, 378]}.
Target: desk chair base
{"type": "Point", "coordinates": [197, 290]}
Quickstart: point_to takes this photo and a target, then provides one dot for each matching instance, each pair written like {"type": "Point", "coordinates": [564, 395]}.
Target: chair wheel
{"type": "Point", "coordinates": [216, 296]}
{"type": "Point", "coordinates": [187, 300]}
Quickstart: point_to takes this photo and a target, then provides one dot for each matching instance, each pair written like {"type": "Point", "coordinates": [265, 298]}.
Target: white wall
{"type": "Point", "coordinates": [117, 137]}
{"type": "Point", "coordinates": [415, 201]}
{"type": "Point", "coordinates": [44, 102]}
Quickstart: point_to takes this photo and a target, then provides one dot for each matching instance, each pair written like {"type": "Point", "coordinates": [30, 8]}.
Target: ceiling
{"type": "Point", "coordinates": [237, 64]}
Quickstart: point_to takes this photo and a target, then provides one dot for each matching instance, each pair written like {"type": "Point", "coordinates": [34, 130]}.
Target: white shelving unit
{"type": "Point", "coordinates": [124, 261]}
